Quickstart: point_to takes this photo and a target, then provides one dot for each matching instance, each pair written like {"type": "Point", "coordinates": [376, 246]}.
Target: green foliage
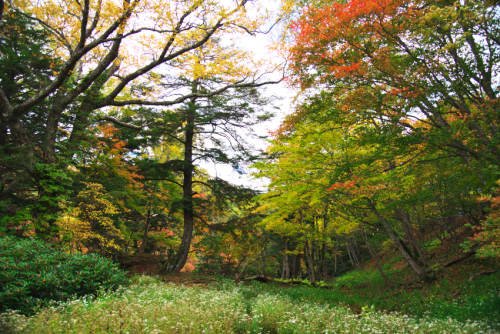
{"type": "Point", "coordinates": [26, 57]}
{"type": "Point", "coordinates": [144, 280]}
{"type": "Point", "coordinates": [33, 273]}
{"type": "Point", "coordinates": [488, 233]}
{"type": "Point", "coordinates": [39, 208]}
{"type": "Point", "coordinates": [359, 289]}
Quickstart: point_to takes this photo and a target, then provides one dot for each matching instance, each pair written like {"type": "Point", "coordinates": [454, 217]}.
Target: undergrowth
{"type": "Point", "coordinates": [150, 306]}
{"type": "Point", "coordinates": [34, 273]}
{"type": "Point", "coordinates": [450, 295]}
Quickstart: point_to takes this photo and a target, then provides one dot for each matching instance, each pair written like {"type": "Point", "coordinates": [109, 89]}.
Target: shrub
{"type": "Point", "coordinates": [33, 273]}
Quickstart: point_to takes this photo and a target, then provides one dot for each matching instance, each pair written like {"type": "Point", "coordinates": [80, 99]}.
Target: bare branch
{"type": "Point", "coordinates": [70, 64]}
{"type": "Point", "coordinates": [95, 20]}
{"type": "Point", "coordinates": [255, 32]}
{"type": "Point", "coordinates": [181, 99]}
{"type": "Point", "coordinates": [84, 21]}
{"type": "Point", "coordinates": [169, 180]}
{"type": "Point", "coordinates": [60, 37]}
{"type": "Point", "coordinates": [205, 184]}
{"type": "Point", "coordinates": [110, 99]}
{"type": "Point", "coordinates": [120, 123]}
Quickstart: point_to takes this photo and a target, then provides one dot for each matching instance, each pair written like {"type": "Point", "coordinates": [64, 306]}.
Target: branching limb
{"type": "Point", "coordinates": [238, 277]}
{"type": "Point", "coordinates": [120, 123]}
{"type": "Point", "coordinates": [84, 22]}
{"type": "Point", "coordinates": [239, 84]}
{"type": "Point", "coordinates": [70, 64]}
{"type": "Point", "coordinates": [205, 184]}
{"type": "Point", "coordinates": [168, 180]}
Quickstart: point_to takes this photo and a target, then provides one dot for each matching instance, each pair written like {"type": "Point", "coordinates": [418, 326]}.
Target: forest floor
{"type": "Point", "coordinates": [465, 290]}
{"type": "Point", "coordinates": [456, 300]}
{"type": "Point", "coordinates": [151, 305]}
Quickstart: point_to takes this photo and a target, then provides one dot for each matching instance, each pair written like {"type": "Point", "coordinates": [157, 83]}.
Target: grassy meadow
{"type": "Point", "coordinates": [150, 305]}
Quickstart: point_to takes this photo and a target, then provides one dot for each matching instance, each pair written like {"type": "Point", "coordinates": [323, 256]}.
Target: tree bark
{"type": "Point", "coordinates": [187, 188]}
{"type": "Point", "coordinates": [411, 236]}
{"type": "Point", "coordinates": [145, 235]}
{"type": "Point", "coordinates": [296, 269]}
{"type": "Point", "coordinates": [310, 263]}
{"type": "Point", "coordinates": [285, 273]}
{"type": "Point", "coordinates": [187, 191]}
{"type": "Point", "coordinates": [356, 249]}
{"type": "Point", "coordinates": [1, 12]}
{"type": "Point", "coordinates": [336, 251]}
{"type": "Point", "coordinates": [352, 253]}
{"type": "Point", "coordinates": [349, 252]}
{"type": "Point", "coordinates": [414, 265]}
{"type": "Point", "coordinates": [374, 257]}
{"type": "Point", "coordinates": [262, 252]}
{"type": "Point", "coordinates": [325, 262]}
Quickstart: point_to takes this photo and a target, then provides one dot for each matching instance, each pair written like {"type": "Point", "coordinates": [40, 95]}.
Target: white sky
{"type": "Point", "coordinates": [257, 44]}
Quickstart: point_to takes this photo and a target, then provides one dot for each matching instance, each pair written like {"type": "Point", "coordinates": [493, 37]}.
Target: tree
{"type": "Point", "coordinates": [26, 65]}
{"type": "Point", "coordinates": [82, 64]}
{"type": "Point", "coordinates": [97, 229]}
{"type": "Point", "coordinates": [399, 61]}
{"type": "Point", "coordinates": [210, 129]}
{"type": "Point", "coordinates": [364, 180]}
{"type": "Point", "coordinates": [414, 80]}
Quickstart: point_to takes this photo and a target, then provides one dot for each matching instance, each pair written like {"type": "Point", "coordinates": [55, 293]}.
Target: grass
{"type": "Point", "coordinates": [151, 306]}
{"type": "Point", "coordinates": [448, 296]}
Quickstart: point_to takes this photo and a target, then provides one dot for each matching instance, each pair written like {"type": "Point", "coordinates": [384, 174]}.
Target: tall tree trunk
{"type": "Point", "coordinates": [414, 265]}
{"type": "Point", "coordinates": [298, 273]}
{"type": "Point", "coordinates": [295, 271]}
{"type": "Point", "coordinates": [374, 257]}
{"type": "Point", "coordinates": [335, 266]}
{"type": "Point", "coordinates": [1, 14]}
{"type": "Point", "coordinates": [325, 262]}
{"type": "Point", "coordinates": [310, 263]}
{"type": "Point", "coordinates": [323, 251]}
{"type": "Point", "coordinates": [285, 273]}
{"type": "Point", "coordinates": [336, 251]}
{"type": "Point", "coordinates": [145, 235]}
{"type": "Point", "coordinates": [187, 191]}
{"type": "Point", "coordinates": [187, 205]}
{"type": "Point", "coordinates": [307, 253]}
{"type": "Point", "coordinates": [356, 249]}
{"type": "Point", "coordinates": [411, 236]}
{"type": "Point", "coordinates": [350, 253]}
{"type": "Point", "coordinates": [262, 252]}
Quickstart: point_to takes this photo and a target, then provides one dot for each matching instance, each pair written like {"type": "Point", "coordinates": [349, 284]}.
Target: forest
{"type": "Point", "coordinates": [371, 205]}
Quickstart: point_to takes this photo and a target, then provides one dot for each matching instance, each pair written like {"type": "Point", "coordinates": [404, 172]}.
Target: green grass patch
{"type": "Point", "coordinates": [151, 306]}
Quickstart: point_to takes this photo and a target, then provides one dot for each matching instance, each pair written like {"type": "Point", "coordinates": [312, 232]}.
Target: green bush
{"type": "Point", "coordinates": [33, 273]}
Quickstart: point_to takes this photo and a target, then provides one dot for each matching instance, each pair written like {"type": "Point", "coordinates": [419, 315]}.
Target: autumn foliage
{"type": "Point", "coordinates": [392, 143]}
